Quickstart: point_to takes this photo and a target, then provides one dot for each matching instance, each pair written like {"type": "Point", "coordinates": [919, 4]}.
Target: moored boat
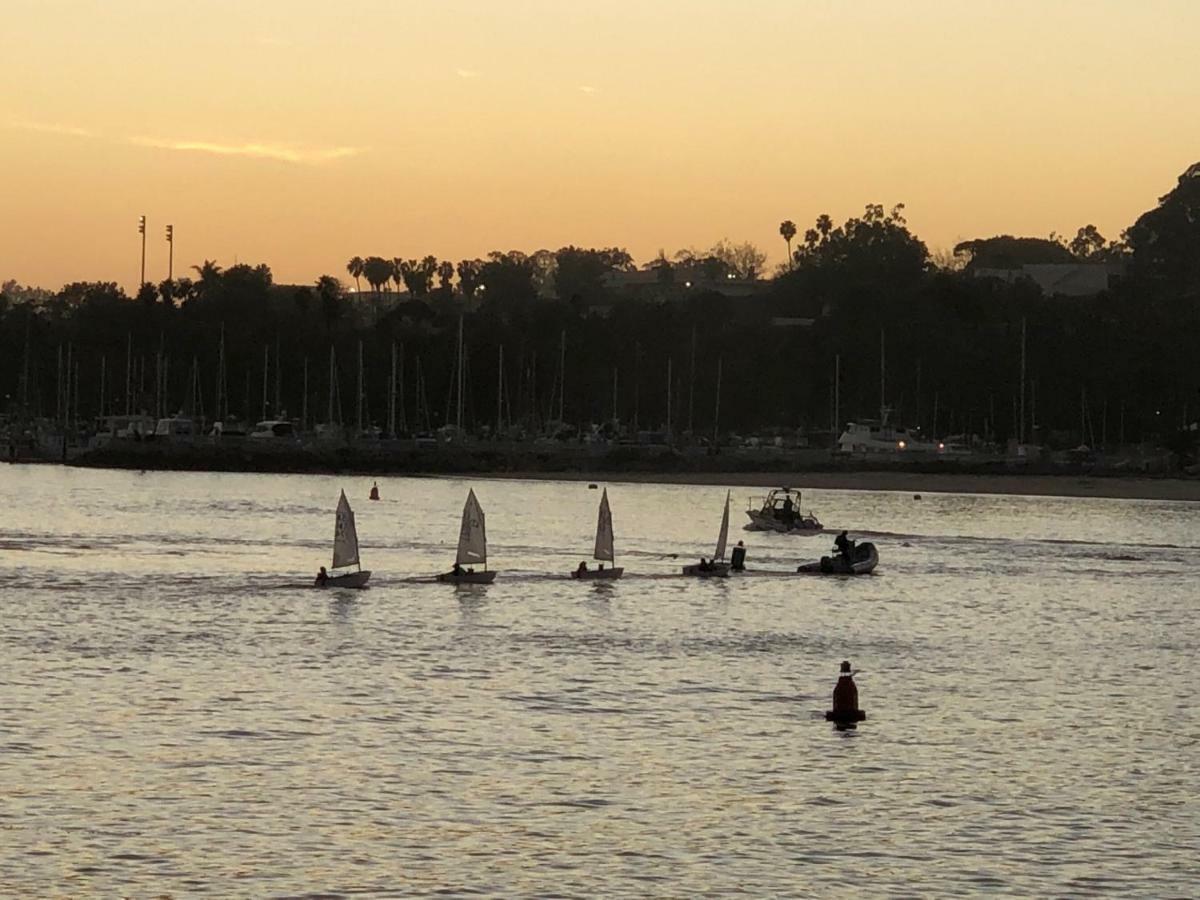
{"type": "Point", "coordinates": [780, 512]}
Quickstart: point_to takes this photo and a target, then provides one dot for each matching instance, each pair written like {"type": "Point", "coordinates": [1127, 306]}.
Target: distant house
{"type": "Point", "coordinates": [1061, 279]}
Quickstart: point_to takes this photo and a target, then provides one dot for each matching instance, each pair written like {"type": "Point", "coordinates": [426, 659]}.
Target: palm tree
{"type": "Point", "coordinates": [210, 274]}
{"type": "Point", "coordinates": [396, 274]}
{"type": "Point", "coordinates": [787, 230]}
{"type": "Point", "coordinates": [355, 268]}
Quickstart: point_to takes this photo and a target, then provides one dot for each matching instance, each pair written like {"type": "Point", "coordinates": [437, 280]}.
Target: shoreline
{"type": "Point", "coordinates": [919, 480]}
{"type": "Point", "coordinates": [1110, 487]}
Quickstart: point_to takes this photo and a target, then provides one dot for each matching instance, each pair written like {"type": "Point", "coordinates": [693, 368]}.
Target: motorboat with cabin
{"type": "Point", "coordinates": [780, 512]}
{"type": "Point", "coordinates": [881, 436]}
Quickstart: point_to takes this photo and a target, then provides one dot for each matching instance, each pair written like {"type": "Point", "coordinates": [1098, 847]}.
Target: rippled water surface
{"type": "Point", "coordinates": [181, 714]}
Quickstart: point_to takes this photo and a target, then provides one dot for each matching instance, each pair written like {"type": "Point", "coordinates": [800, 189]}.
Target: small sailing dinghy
{"type": "Point", "coordinates": [472, 548]}
{"type": "Point", "coordinates": [716, 567]}
{"type": "Point", "coordinates": [604, 548]}
{"type": "Point", "coordinates": [345, 551]}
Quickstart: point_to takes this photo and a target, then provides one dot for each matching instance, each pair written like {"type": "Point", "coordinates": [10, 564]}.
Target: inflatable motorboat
{"type": "Point", "coordinates": [863, 562]}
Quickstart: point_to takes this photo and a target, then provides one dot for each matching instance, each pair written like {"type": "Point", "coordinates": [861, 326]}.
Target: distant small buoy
{"type": "Point", "coordinates": [375, 491]}
{"type": "Point", "coordinates": [591, 487]}
{"type": "Point", "coordinates": [916, 496]}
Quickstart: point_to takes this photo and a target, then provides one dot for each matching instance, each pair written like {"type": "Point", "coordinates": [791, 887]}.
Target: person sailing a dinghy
{"type": "Point", "coordinates": [844, 546]}
{"type": "Point", "coordinates": [457, 570]}
{"type": "Point", "coordinates": [581, 568]}
{"type": "Point", "coordinates": [322, 577]}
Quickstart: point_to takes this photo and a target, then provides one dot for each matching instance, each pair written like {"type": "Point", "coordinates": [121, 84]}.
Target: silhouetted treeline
{"type": "Point", "coordinates": [1122, 364]}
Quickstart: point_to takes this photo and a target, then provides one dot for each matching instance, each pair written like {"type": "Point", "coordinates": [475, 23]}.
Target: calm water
{"type": "Point", "coordinates": [180, 715]}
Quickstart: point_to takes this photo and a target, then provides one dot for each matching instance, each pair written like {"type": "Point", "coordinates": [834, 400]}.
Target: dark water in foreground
{"type": "Point", "coordinates": [179, 716]}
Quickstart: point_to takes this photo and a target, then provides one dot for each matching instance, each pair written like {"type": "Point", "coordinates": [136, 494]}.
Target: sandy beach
{"type": "Point", "coordinates": [908, 482]}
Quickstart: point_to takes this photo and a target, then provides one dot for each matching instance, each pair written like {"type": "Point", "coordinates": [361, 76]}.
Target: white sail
{"type": "Point", "coordinates": [345, 536]}
{"type": "Point", "coordinates": [604, 530]}
{"type": "Point", "coordinates": [472, 537]}
{"type": "Point", "coordinates": [724, 536]}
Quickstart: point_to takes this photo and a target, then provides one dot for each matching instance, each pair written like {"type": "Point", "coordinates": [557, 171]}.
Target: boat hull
{"type": "Point", "coordinates": [715, 570]}
{"type": "Point", "coordinates": [467, 578]}
{"type": "Point", "coordinates": [800, 525]}
{"type": "Point", "coordinates": [599, 574]}
{"type": "Point", "coordinates": [349, 580]}
{"type": "Point", "coordinates": [865, 561]}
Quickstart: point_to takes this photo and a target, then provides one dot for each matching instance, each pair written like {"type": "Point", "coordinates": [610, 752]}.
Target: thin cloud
{"type": "Point", "coordinates": [467, 73]}
{"type": "Point", "coordinates": [276, 152]}
{"type": "Point", "coordinates": [589, 89]}
{"type": "Point", "coordinates": [270, 40]}
{"type": "Point", "coordinates": [50, 128]}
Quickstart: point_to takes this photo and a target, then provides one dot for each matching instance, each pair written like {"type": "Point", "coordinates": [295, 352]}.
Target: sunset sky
{"type": "Point", "coordinates": [299, 133]}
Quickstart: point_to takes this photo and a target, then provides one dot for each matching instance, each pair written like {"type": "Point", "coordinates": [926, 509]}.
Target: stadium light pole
{"type": "Point", "coordinates": [142, 232]}
{"type": "Point", "coordinates": [170, 252]}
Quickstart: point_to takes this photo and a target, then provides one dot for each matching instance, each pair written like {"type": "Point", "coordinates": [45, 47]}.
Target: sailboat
{"type": "Point", "coordinates": [604, 547]}
{"type": "Point", "coordinates": [472, 547]}
{"type": "Point", "coordinates": [345, 550]}
{"type": "Point", "coordinates": [717, 567]}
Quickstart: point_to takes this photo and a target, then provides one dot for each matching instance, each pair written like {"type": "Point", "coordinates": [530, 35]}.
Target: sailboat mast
{"type": "Point", "coordinates": [458, 407]}
{"type": "Point", "coordinates": [332, 370]}
{"type": "Point", "coordinates": [304, 399]}
{"type": "Point", "coordinates": [692, 383]}
{"type": "Point", "coordinates": [669, 361]}
{"type": "Point", "coordinates": [1021, 429]}
{"type": "Point", "coordinates": [562, 374]}
{"type": "Point", "coordinates": [500, 392]}
{"type": "Point", "coordinates": [717, 411]}
{"type": "Point", "coordinates": [882, 377]}
{"type": "Point", "coordinates": [266, 367]}
{"type": "Point", "coordinates": [837, 396]}
{"type": "Point", "coordinates": [392, 395]}
{"type": "Point", "coordinates": [359, 396]}
{"type": "Point", "coordinates": [614, 400]}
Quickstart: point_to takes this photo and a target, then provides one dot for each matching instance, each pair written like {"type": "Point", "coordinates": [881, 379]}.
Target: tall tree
{"type": "Point", "coordinates": [787, 230]}
{"type": "Point", "coordinates": [355, 268]}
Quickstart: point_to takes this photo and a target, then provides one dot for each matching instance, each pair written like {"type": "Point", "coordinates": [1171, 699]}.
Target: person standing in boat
{"type": "Point", "coordinates": [789, 512]}
{"type": "Point", "coordinates": [737, 559]}
{"type": "Point", "coordinates": [845, 692]}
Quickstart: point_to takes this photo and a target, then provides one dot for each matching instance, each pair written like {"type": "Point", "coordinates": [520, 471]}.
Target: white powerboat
{"type": "Point", "coordinates": [780, 512]}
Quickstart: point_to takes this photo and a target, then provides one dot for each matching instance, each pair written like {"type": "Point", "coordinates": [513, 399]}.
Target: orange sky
{"type": "Point", "coordinates": [299, 133]}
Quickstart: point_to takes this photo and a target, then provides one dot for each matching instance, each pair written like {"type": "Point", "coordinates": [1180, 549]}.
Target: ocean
{"type": "Point", "coordinates": [182, 714]}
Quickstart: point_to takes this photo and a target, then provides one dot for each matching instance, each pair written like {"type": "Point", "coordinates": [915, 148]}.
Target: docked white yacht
{"type": "Point", "coordinates": [881, 436]}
